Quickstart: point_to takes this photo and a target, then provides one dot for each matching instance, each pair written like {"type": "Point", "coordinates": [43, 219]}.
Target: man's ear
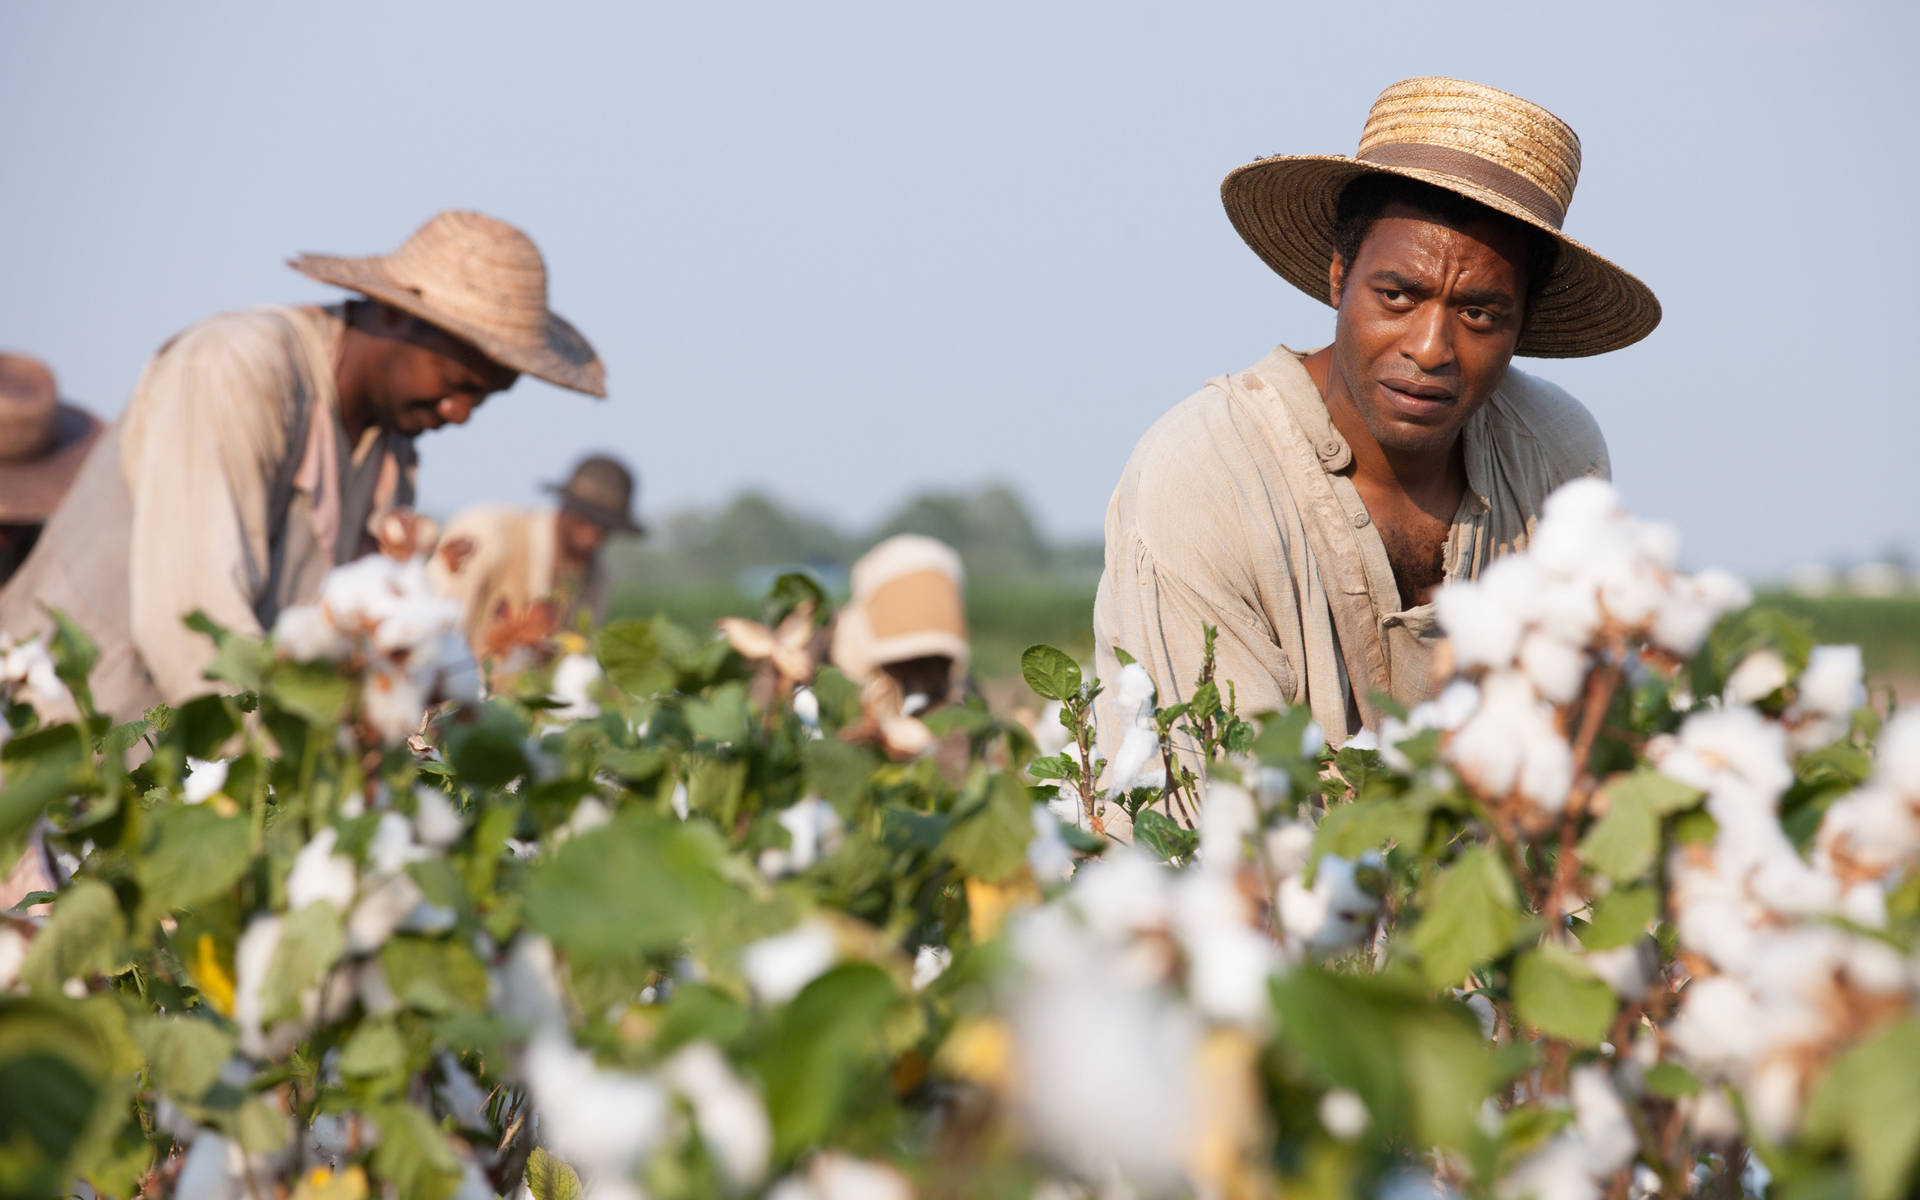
{"type": "Point", "coordinates": [1336, 279]}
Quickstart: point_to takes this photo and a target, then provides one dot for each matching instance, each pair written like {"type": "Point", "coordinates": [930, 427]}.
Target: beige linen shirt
{"type": "Point", "coordinates": [1238, 510]}
{"type": "Point", "coordinates": [227, 486]}
{"type": "Point", "coordinates": [512, 556]}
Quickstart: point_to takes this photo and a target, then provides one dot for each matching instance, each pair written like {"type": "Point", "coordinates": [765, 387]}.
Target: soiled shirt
{"type": "Point", "coordinates": [1238, 510]}
{"type": "Point", "coordinates": [512, 558]}
{"type": "Point", "coordinates": [228, 486]}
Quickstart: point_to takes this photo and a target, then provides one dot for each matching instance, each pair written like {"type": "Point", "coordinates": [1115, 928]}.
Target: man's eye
{"type": "Point", "coordinates": [1480, 316]}
{"type": "Point", "coordinates": [1393, 295]}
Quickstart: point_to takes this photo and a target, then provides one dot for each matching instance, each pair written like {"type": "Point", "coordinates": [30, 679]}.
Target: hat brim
{"type": "Point", "coordinates": [566, 359]}
{"type": "Point", "coordinates": [1284, 208]}
{"type": "Point", "coordinates": [30, 491]}
{"type": "Point", "coordinates": [606, 518]}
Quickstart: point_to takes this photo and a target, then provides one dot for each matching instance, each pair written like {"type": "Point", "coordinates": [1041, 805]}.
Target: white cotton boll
{"type": "Point", "coordinates": [1724, 591]}
{"type": "Point", "coordinates": [1791, 888]}
{"type": "Point", "coordinates": [1481, 629]}
{"type": "Point", "coordinates": [1366, 739]}
{"type": "Point", "coordinates": [1050, 736]}
{"type": "Point", "coordinates": [415, 623]}
{"type": "Point", "coordinates": [1138, 749]}
{"type": "Point", "coordinates": [1710, 1115]}
{"type": "Point", "coordinates": [1833, 684]}
{"type": "Point", "coordinates": [393, 703]}
{"type": "Point", "coordinates": [679, 801]}
{"type": "Point", "coordinates": [1228, 817]}
{"type": "Point", "coordinates": [204, 780]}
{"type": "Point", "coordinates": [1659, 543]}
{"type": "Point", "coordinates": [588, 815]}
{"type": "Point", "coordinates": [1133, 694]}
{"type": "Point", "coordinates": [1455, 704]}
{"type": "Point", "coordinates": [779, 967]}
{"type": "Point", "coordinates": [1626, 969]}
{"type": "Point", "coordinates": [1121, 893]}
{"type": "Point", "coordinates": [1729, 747]}
{"type": "Point", "coordinates": [1556, 668]}
{"type": "Point", "coordinates": [574, 678]}
{"type": "Point", "coordinates": [473, 1183]}
{"type": "Point", "coordinates": [837, 1176]}
{"type": "Point", "coordinates": [1600, 1118]}
{"type": "Point", "coordinates": [320, 874]}
{"type": "Point", "coordinates": [13, 953]}
{"type": "Point", "coordinates": [1511, 744]}
{"type": "Point", "coordinates": [1271, 786]}
{"type": "Point", "coordinates": [1758, 676]}
{"type": "Point", "coordinates": [1772, 1095]}
{"type": "Point", "coordinates": [526, 988]}
{"type": "Point", "coordinates": [214, 1169]}
{"type": "Point", "coordinates": [392, 846]}
{"type": "Point", "coordinates": [360, 593]}
{"type": "Point", "coordinates": [1719, 1025]}
{"type": "Point", "coordinates": [1288, 847]}
{"type": "Point", "coordinates": [252, 957]}
{"type": "Point", "coordinates": [437, 822]}
{"type": "Point", "coordinates": [806, 706]}
{"type": "Point", "coordinates": [930, 963]}
{"type": "Point", "coordinates": [305, 633]}
{"type": "Point", "coordinates": [731, 1117]}
{"type": "Point", "coordinates": [1682, 622]}
{"type": "Point", "coordinates": [1335, 914]}
{"type": "Point", "coordinates": [1113, 1110]}
{"type": "Point", "coordinates": [1582, 504]}
{"type": "Point", "coordinates": [815, 830]}
{"type": "Point", "coordinates": [1048, 855]}
{"type": "Point", "coordinates": [1899, 753]}
{"type": "Point", "coordinates": [1313, 740]}
{"type": "Point", "coordinates": [1228, 961]}
{"type": "Point", "coordinates": [915, 704]}
{"type": "Point", "coordinates": [1556, 1171]}
{"type": "Point", "coordinates": [1865, 904]}
{"type": "Point", "coordinates": [602, 1122]}
{"type": "Point", "coordinates": [381, 912]}
{"type": "Point", "coordinates": [1344, 1114]}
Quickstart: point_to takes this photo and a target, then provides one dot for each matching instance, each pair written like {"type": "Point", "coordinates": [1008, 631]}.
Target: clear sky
{"type": "Point", "coordinates": [842, 252]}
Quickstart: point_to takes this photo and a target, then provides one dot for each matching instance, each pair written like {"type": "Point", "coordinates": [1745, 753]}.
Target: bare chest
{"type": "Point", "coordinates": [1415, 538]}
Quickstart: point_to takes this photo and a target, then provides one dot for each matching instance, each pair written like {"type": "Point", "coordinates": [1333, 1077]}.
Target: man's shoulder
{"type": "Point", "coordinates": [494, 520]}
{"type": "Point", "coordinates": [266, 330]}
{"type": "Point", "coordinates": [1535, 416]}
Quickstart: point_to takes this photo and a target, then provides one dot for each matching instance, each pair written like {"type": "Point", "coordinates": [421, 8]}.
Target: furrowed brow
{"type": "Point", "coordinates": [1487, 298]}
{"type": "Point", "coordinates": [1393, 279]}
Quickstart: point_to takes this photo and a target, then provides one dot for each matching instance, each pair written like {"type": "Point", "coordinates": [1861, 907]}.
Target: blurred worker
{"type": "Point", "coordinates": [260, 448]}
{"type": "Point", "coordinates": [42, 444]}
{"type": "Point", "coordinates": [907, 620]}
{"type": "Point", "coordinates": [498, 561]}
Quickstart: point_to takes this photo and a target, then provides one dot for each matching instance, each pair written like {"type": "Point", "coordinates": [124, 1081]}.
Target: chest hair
{"type": "Point", "coordinates": [1418, 554]}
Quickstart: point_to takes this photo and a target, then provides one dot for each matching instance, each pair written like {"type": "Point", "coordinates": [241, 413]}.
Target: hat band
{"type": "Point", "coordinates": [1492, 176]}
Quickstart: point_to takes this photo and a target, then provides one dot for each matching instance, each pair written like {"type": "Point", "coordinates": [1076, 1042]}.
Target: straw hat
{"type": "Point", "coordinates": [1505, 152]}
{"type": "Point", "coordinates": [43, 442]}
{"type": "Point", "coordinates": [481, 280]}
{"type": "Point", "coordinates": [906, 604]}
{"type": "Point", "coordinates": [600, 489]}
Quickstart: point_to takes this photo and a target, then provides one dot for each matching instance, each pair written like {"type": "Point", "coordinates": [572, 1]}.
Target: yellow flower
{"type": "Point", "coordinates": [989, 904]}
{"type": "Point", "coordinates": [980, 1051]}
{"type": "Point", "coordinates": [216, 985]}
{"type": "Point", "coordinates": [570, 643]}
{"type": "Point", "coordinates": [323, 1184]}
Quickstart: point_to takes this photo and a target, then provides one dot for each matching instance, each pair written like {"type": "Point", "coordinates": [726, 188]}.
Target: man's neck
{"type": "Point", "coordinates": [351, 372]}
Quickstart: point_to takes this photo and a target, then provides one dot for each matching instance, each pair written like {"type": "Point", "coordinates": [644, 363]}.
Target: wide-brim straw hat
{"type": "Point", "coordinates": [43, 441]}
{"type": "Point", "coordinates": [481, 280]}
{"type": "Point", "coordinates": [1485, 144]}
{"type": "Point", "coordinates": [601, 490]}
{"type": "Point", "coordinates": [907, 603]}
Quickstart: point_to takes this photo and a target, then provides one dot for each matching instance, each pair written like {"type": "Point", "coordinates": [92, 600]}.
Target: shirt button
{"type": "Point", "coordinates": [1329, 449]}
{"type": "Point", "coordinates": [1360, 520]}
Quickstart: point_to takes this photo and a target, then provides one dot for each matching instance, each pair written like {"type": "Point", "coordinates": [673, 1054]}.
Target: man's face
{"type": "Point", "coordinates": [430, 379]}
{"type": "Point", "coordinates": [580, 536]}
{"type": "Point", "coordinates": [1428, 318]}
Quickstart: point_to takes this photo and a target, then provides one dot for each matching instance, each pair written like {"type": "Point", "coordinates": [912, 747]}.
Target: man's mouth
{"type": "Point", "coordinates": [1422, 401]}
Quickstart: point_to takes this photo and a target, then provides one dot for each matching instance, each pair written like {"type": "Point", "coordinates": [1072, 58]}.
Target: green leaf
{"type": "Point", "coordinates": [241, 661]}
{"type": "Point", "coordinates": [1620, 918]}
{"type": "Point", "coordinates": [1050, 672]}
{"type": "Point", "coordinates": [661, 878]}
{"type": "Point", "coordinates": [192, 854]}
{"type": "Point", "coordinates": [1665, 796]}
{"type": "Point", "coordinates": [83, 937]}
{"type": "Point", "coordinates": [492, 751]}
{"type": "Point", "coordinates": [839, 698]}
{"type": "Point", "coordinates": [184, 1054]}
{"type": "Point", "coordinates": [629, 652]}
{"type": "Point", "coordinates": [1869, 1101]}
{"type": "Point", "coordinates": [1054, 766]}
{"type": "Point", "coordinates": [990, 842]}
{"type": "Point", "coordinates": [375, 1049]}
{"type": "Point", "coordinates": [435, 975]}
{"type": "Point", "coordinates": [317, 692]}
{"type": "Point", "coordinates": [1167, 838]}
{"type": "Point", "coordinates": [1558, 994]}
{"type": "Point", "coordinates": [839, 772]}
{"type": "Point", "coordinates": [548, 1178]}
{"type": "Point", "coordinates": [1350, 830]}
{"type": "Point", "coordinates": [823, 1047]}
{"type": "Point", "coordinates": [311, 941]}
{"type": "Point", "coordinates": [55, 1081]}
{"type": "Point", "coordinates": [413, 1154]}
{"type": "Point", "coordinates": [720, 715]}
{"type": "Point", "coordinates": [1470, 914]}
{"type": "Point", "coordinates": [1670, 1081]}
{"type": "Point", "coordinates": [1622, 844]}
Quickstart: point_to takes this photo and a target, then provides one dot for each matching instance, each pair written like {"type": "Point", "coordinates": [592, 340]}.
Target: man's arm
{"type": "Point", "coordinates": [203, 448]}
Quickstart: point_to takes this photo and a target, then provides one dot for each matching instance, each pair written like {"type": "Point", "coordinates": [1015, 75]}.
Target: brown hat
{"type": "Point", "coordinates": [481, 280]}
{"type": "Point", "coordinates": [1482, 143]}
{"type": "Point", "coordinates": [907, 603]}
{"type": "Point", "coordinates": [43, 442]}
{"type": "Point", "coordinates": [601, 490]}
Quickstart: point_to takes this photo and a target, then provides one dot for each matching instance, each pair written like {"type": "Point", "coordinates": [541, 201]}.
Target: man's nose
{"type": "Point", "coordinates": [455, 409]}
{"type": "Point", "coordinates": [1429, 338]}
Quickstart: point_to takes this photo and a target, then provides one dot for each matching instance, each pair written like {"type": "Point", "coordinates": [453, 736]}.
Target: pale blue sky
{"type": "Point", "coordinates": [843, 251]}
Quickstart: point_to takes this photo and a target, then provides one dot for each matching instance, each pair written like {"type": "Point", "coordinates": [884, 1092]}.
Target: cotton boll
{"type": "Point", "coordinates": [1138, 748]}
{"type": "Point", "coordinates": [836, 1176]}
{"type": "Point", "coordinates": [13, 953]}
{"type": "Point", "coordinates": [1758, 676]}
{"type": "Point", "coordinates": [1228, 961]}
{"type": "Point", "coordinates": [1626, 969]}
{"type": "Point", "coordinates": [731, 1117]}
{"type": "Point", "coordinates": [1659, 543]}
{"type": "Point", "coordinates": [306, 633]}
{"type": "Point", "coordinates": [1833, 683]}
{"type": "Point", "coordinates": [1335, 914]}
{"type": "Point", "coordinates": [1729, 747]}
{"type": "Point", "coordinates": [1581, 504]}
{"type": "Point", "coordinates": [1601, 1120]}
{"type": "Point", "coordinates": [1723, 590]}
{"type": "Point", "coordinates": [1048, 855]}
{"type": "Point", "coordinates": [392, 846]}
{"type": "Point", "coordinates": [1121, 893]}
{"type": "Point", "coordinates": [319, 874]}
{"type": "Point", "coordinates": [1482, 631]}
{"type": "Point", "coordinates": [1133, 694]}
{"type": "Point", "coordinates": [1772, 1094]}
{"type": "Point", "coordinates": [381, 912]}
{"type": "Point", "coordinates": [929, 963]}
{"type": "Point", "coordinates": [204, 779]}
{"type": "Point", "coordinates": [457, 678]}
{"type": "Point", "coordinates": [526, 988]}
{"type": "Point", "coordinates": [574, 678]}
{"type": "Point", "coordinates": [1227, 818]}
{"type": "Point", "coordinates": [1288, 848]}
{"type": "Point", "coordinates": [214, 1169]}
{"type": "Point", "coordinates": [435, 820]}
{"type": "Point", "coordinates": [1344, 1114]}
{"type": "Point", "coordinates": [1556, 1171]}
{"type": "Point", "coordinates": [393, 703]}
{"type": "Point", "coordinates": [779, 967]}
{"type": "Point", "coordinates": [1511, 745]}
{"type": "Point", "coordinates": [1899, 753]}
{"type": "Point", "coordinates": [602, 1122]}
{"type": "Point", "coordinates": [252, 958]}
{"type": "Point", "coordinates": [1556, 668]}
{"type": "Point", "coordinates": [1718, 1028]}
{"type": "Point", "coordinates": [814, 829]}
{"type": "Point", "coordinates": [1366, 739]}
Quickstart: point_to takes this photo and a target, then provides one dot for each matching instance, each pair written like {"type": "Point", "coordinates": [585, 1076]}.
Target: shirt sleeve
{"type": "Point", "coordinates": [201, 456]}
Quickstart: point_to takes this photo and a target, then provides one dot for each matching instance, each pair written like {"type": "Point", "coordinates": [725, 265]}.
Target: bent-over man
{"type": "Point", "coordinates": [260, 447]}
{"type": "Point", "coordinates": [43, 443]}
{"type": "Point", "coordinates": [1309, 506]}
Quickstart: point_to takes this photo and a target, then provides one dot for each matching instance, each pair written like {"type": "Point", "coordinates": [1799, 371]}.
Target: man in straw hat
{"type": "Point", "coordinates": [498, 561]}
{"type": "Point", "coordinates": [43, 441]}
{"type": "Point", "coordinates": [1308, 506]}
{"type": "Point", "coordinates": [260, 447]}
